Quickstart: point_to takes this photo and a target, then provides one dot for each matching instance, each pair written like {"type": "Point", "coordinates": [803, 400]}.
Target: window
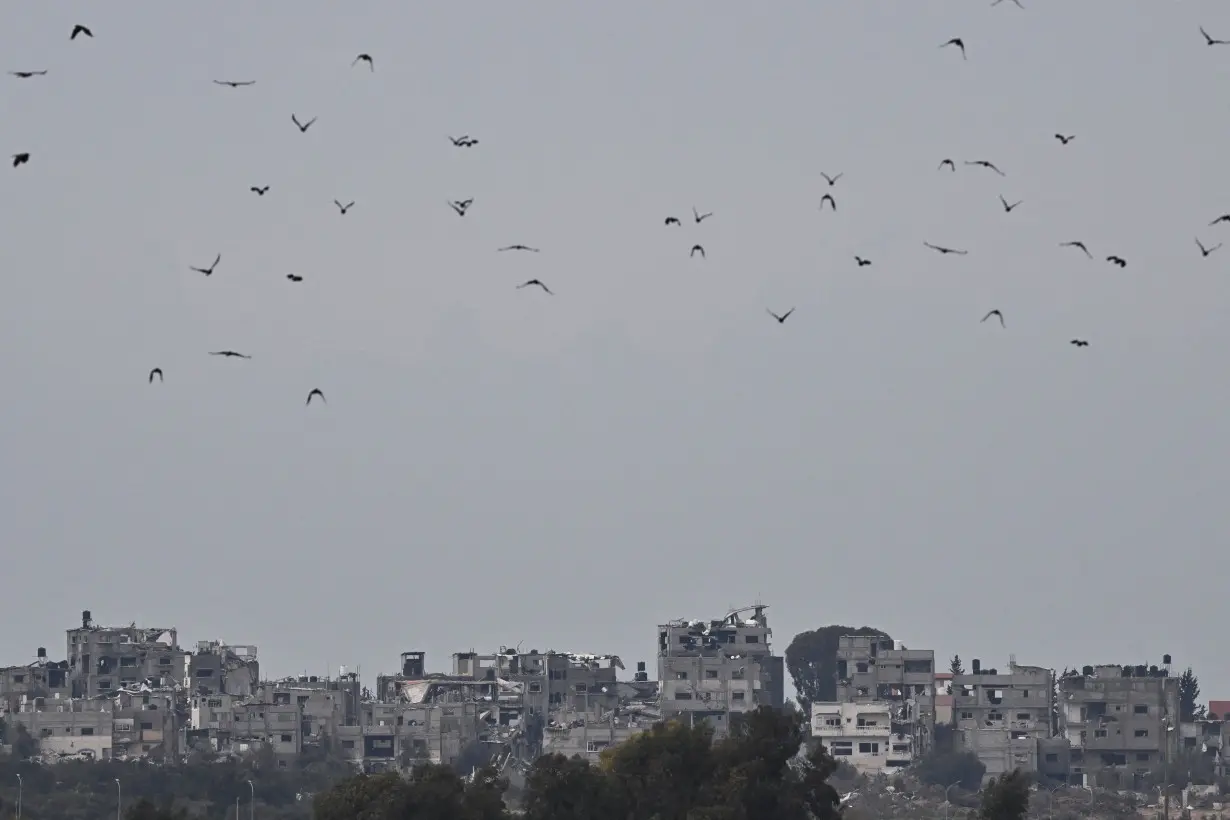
{"type": "Point", "coordinates": [1023, 716]}
{"type": "Point", "coordinates": [862, 721]}
{"type": "Point", "coordinates": [582, 688]}
{"type": "Point", "coordinates": [751, 639]}
{"type": "Point", "coordinates": [535, 686]}
{"type": "Point", "coordinates": [1099, 733]}
{"type": "Point", "coordinates": [19, 679]}
{"type": "Point", "coordinates": [995, 715]}
{"type": "Point", "coordinates": [1052, 758]}
{"type": "Point", "coordinates": [301, 700]}
{"type": "Point", "coordinates": [860, 668]}
{"type": "Point", "coordinates": [128, 661]}
{"type": "Point", "coordinates": [147, 724]}
{"type": "Point", "coordinates": [1142, 733]}
{"type": "Point", "coordinates": [869, 748]}
{"type": "Point", "coordinates": [901, 747]}
{"type": "Point", "coordinates": [347, 744]}
{"type": "Point", "coordinates": [596, 745]}
{"type": "Point", "coordinates": [1141, 709]}
{"type": "Point", "coordinates": [104, 685]}
{"type": "Point", "coordinates": [832, 721]}
{"type": "Point", "coordinates": [967, 715]}
{"type": "Point", "coordinates": [288, 738]}
{"type": "Point", "coordinates": [1142, 756]}
{"type": "Point", "coordinates": [736, 696]}
{"type": "Point", "coordinates": [681, 676]}
{"type": "Point", "coordinates": [842, 748]}
{"type": "Point", "coordinates": [710, 674]}
{"type": "Point", "coordinates": [682, 695]}
{"type": "Point", "coordinates": [164, 661]}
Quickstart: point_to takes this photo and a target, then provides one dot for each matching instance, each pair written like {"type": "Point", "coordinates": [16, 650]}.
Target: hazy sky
{"type": "Point", "coordinates": [498, 466]}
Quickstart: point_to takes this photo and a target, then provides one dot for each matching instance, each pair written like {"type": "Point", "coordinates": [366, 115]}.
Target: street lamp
{"type": "Point", "coordinates": [19, 789]}
{"type": "Point", "coordinates": [251, 802]}
{"type": "Point", "coordinates": [947, 804]}
{"type": "Point", "coordinates": [1051, 800]}
{"type": "Point", "coordinates": [119, 799]}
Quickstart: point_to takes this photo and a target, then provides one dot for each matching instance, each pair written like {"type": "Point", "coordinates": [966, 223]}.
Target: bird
{"type": "Point", "coordinates": [208, 271]}
{"type": "Point", "coordinates": [997, 2]}
{"type": "Point", "coordinates": [367, 58]}
{"type": "Point", "coordinates": [1065, 140]}
{"type": "Point", "coordinates": [21, 159]}
{"type": "Point", "coordinates": [1008, 208]}
{"type": "Point", "coordinates": [1079, 343]}
{"type": "Point", "coordinates": [985, 164]}
{"type": "Point", "coordinates": [294, 277]}
{"type": "Point", "coordinates": [461, 206]}
{"type": "Point", "coordinates": [157, 371]}
{"type": "Point", "coordinates": [670, 220]}
{"type": "Point", "coordinates": [519, 248]}
{"type": "Point", "coordinates": [235, 83]}
{"type": "Point", "coordinates": [25, 75]}
{"type": "Point", "coordinates": [696, 248]}
{"type": "Point", "coordinates": [699, 217]}
{"type": "Point", "coordinates": [781, 320]}
{"type": "Point", "coordinates": [1080, 245]}
{"type": "Point", "coordinates": [259, 191]}
{"type": "Point", "coordinates": [1222, 218]}
{"type": "Point", "coordinates": [952, 166]}
{"type": "Point", "coordinates": [1206, 251]}
{"type": "Point", "coordinates": [829, 199]}
{"type": "Point", "coordinates": [958, 42]}
{"type": "Point", "coordinates": [1117, 260]}
{"type": "Point", "coordinates": [343, 208]}
{"type": "Point", "coordinates": [303, 127]}
{"type": "Point", "coordinates": [861, 261]}
{"type": "Point", "coordinates": [1210, 41]}
{"type": "Point", "coordinates": [832, 180]}
{"type": "Point", "coordinates": [537, 282]}
{"type": "Point", "coordinates": [463, 141]}
{"type": "Point", "coordinates": [944, 250]}
{"type": "Point", "coordinates": [80, 29]}
{"type": "Point", "coordinates": [315, 391]}
{"type": "Point", "coordinates": [996, 312]}
{"type": "Point", "coordinates": [230, 354]}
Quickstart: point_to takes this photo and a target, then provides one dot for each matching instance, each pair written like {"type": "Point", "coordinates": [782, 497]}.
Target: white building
{"type": "Point", "coordinates": [862, 735]}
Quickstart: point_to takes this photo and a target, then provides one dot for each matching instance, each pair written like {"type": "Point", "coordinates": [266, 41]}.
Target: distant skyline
{"type": "Point", "coordinates": [496, 465]}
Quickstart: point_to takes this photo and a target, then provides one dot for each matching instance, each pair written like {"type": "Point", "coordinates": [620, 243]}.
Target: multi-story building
{"type": "Point", "coordinates": [40, 679]}
{"type": "Point", "coordinates": [862, 734]}
{"type": "Point", "coordinates": [68, 728]}
{"type": "Point", "coordinates": [1121, 722]}
{"type": "Point", "coordinates": [873, 669]}
{"type": "Point", "coordinates": [218, 668]}
{"type": "Point", "coordinates": [1002, 717]}
{"type": "Point", "coordinates": [104, 659]}
{"type": "Point", "coordinates": [716, 670]}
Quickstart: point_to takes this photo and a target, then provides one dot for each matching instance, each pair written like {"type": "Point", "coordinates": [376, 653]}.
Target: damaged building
{"type": "Point", "coordinates": [716, 670]}
{"type": "Point", "coordinates": [103, 659]}
{"type": "Point", "coordinates": [1004, 717]}
{"type": "Point", "coordinates": [218, 668]}
{"type": "Point", "coordinates": [1121, 722]}
{"type": "Point", "coordinates": [42, 678]}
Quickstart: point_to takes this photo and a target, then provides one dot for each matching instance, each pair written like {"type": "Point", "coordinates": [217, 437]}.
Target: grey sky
{"type": "Point", "coordinates": [495, 465]}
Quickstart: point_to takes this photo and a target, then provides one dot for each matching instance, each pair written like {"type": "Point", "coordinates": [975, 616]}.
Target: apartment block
{"type": "Point", "coordinates": [716, 670]}
{"type": "Point", "coordinates": [104, 659]}
{"type": "Point", "coordinates": [863, 734]}
{"type": "Point", "coordinates": [1002, 716]}
{"type": "Point", "coordinates": [1120, 721]}
{"type": "Point", "coordinates": [42, 678]}
{"type": "Point", "coordinates": [872, 669]}
{"type": "Point", "coordinates": [218, 668]}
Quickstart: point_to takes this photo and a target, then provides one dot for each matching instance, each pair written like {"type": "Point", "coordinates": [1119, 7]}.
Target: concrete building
{"type": "Point", "coordinates": [42, 678]}
{"type": "Point", "coordinates": [1001, 717]}
{"type": "Point", "coordinates": [218, 668]}
{"type": "Point", "coordinates": [872, 669]}
{"type": "Point", "coordinates": [104, 659]}
{"type": "Point", "coordinates": [862, 734]}
{"type": "Point", "coordinates": [1120, 721]}
{"type": "Point", "coordinates": [68, 729]}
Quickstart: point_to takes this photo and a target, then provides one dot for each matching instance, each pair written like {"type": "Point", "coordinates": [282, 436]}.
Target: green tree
{"type": "Point", "coordinates": [561, 788]}
{"type": "Point", "coordinates": [946, 768]}
{"type": "Point", "coordinates": [662, 773]}
{"type": "Point", "coordinates": [1189, 690]}
{"type": "Point", "coordinates": [954, 666]}
{"type": "Point", "coordinates": [1006, 797]}
{"type": "Point", "coordinates": [812, 661]}
{"type": "Point", "coordinates": [145, 810]}
{"type": "Point", "coordinates": [24, 745]}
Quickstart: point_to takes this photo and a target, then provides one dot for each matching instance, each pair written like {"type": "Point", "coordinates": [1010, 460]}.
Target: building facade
{"type": "Point", "coordinates": [1001, 716]}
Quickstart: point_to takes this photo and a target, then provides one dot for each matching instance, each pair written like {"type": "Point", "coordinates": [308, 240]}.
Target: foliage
{"type": "Point", "coordinates": [145, 810]}
{"type": "Point", "coordinates": [812, 661]}
{"type": "Point", "coordinates": [1189, 691]}
{"type": "Point", "coordinates": [946, 768]}
{"type": "Point", "coordinates": [1006, 797]}
{"type": "Point", "coordinates": [955, 666]}
{"type": "Point", "coordinates": [431, 792]}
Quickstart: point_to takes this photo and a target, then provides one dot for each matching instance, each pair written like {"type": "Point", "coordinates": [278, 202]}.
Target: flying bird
{"type": "Point", "coordinates": [461, 206]}
{"type": "Point", "coordinates": [832, 180]}
{"type": "Point", "coordinates": [230, 354]}
{"type": "Point", "coordinates": [1210, 41]}
{"type": "Point", "coordinates": [25, 75]}
{"type": "Point", "coordinates": [1065, 140]}
{"type": "Point", "coordinates": [995, 313]}
{"type": "Point", "coordinates": [315, 392]}
{"type": "Point", "coordinates": [1008, 208]}
{"type": "Point", "coordinates": [303, 127]}
{"type": "Point", "coordinates": [1080, 245]}
{"type": "Point", "coordinates": [958, 42]}
{"type": "Point", "coordinates": [294, 277]}
{"type": "Point", "coordinates": [208, 271]}
{"type": "Point", "coordinates": [1079, 343]}
{"type": "Point", "coordinates": [944, 250]}
{"type": "Point", "coordinates": [20, 159]}
{"type": "Point", "coordinates": [985, 164]}
{"type": "Point", "coordinates": [463, 141]}
{"type": "Point", "coordinates": [1117, 260]}
{"type": "Point", "coordinates": [157, 371]}
{"type": "Point", "coordinates": [80, 29]}
{"type": "Point", "coordinates": [343, 208]}
{"type": "Point", "coordinates": [1222, 218]}
{"type": "Point", "coordinates": [861, 261]}
{"type": "Point", "coordinates": [781, 320]}
{"type": "Point", "coordinates": [696, 248]}
{"type": "Point", "coordinates": [952, 166]}
{"type": "Point", "coordinates": [699, 217]}
{"type": "Point", "coordinates": [535, 282]}
{"type": "Point", "coordinates": [829, 199]}
{"type": "Point", "coordinates": [1206, 251]}
{"type": "Point", "coordinates": [519, 248]}
{"type": "Point", "coordinates": [259, 191]}
{"type": "Point", "coordinates": [670, 220]}
{"type": "Point", "coordinates": [235, 83]}
{"type": "Point", "coordinates": [367, 58]}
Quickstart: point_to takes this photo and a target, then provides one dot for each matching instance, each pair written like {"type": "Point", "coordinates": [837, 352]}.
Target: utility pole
{"type": "Point", "coordinates": [20, 784]}
{"type": "Point", "coordinates": [119, 800]}
{"type": "Point", "coordinates": [251, 803]}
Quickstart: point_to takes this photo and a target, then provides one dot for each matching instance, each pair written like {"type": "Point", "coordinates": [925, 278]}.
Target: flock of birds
{"type": "Point", "coordinates": [461, 207]}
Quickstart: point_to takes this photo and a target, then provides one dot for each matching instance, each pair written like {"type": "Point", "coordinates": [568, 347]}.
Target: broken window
{"type": "Point", "coordinates": [751, 639]}
{"type": "Point", "coordinates": [917, 667]}
{"type": "Point", "coordinates": [104, 685]}
{"type": "Point", "coordinates": [995, 696]}
{"type": "Point", "coordinates": [737, 696]}
{"type": "Point", "coordinates": [994, 715]}
{"type": "Point", "coordinates": [711, 674]}
{"type": "Point", "coordinates": [147, 724]}
{"type": "Point", "coordinates": [1143, 757]}
{"type": "Point", "coordinates": [681, 676]}
{"type": "Point", "coordinates": [1142, 733]}
{"type": "Point", "coordinates": [1141, 709]}
{"type": "Point", "coordinates": [860, 668]}
{"type": "Point", "coordinates": [19, 679]}
{"type": "Point", "coordinates": [862, 721]}
{"type": "Point", "coordinates": [1095, 708]}
{"type": "Point", "coordinates": [582, 688]}
{"type": "Point", "coordinates": [682, 694]}
{"type": "Point", "coordinates": [1019, 735]}
{"type": "Point", "coordinates": [535, 687]}
{"type": "Point", "coordinates": [1023, 716]}
{"type": "Point", "coordinates": [281, 698]}
{"type": "Point", "coordinates": [842, 749]}
{"type": "Point", "coordinates": [128, 661]}
{"type": "Point", "coordinates": [201, 673]}
{"type": "Point", "coordinates": [901, 747]}
{"type": "Point", "coordinates": [1052, 757]}
{"type": "Point", "coordinates": [1099, 733]}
